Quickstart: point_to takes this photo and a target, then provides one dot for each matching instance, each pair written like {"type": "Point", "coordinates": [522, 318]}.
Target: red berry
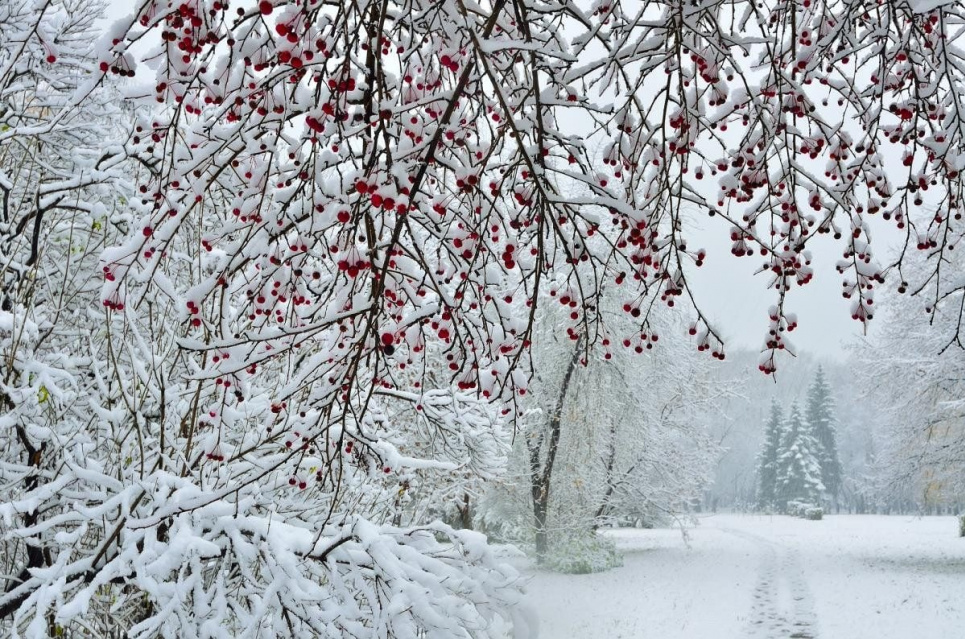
{"type": "Point", "coordinates": [265, 7]}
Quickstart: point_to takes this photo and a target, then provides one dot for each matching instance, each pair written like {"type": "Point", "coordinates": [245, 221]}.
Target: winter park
{"type": "Point", "coordinates": [489, 319]}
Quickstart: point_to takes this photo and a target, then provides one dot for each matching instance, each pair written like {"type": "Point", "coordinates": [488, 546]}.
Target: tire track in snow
{"type": "Point", "coordinates": [782, 605]}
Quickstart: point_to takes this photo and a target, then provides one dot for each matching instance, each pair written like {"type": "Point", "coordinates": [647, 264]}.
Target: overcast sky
{"type": "Point", "coordinates": [737, 300]}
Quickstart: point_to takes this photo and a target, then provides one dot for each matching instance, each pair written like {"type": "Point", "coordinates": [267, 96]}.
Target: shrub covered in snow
{"type": "Point", "coordinates": [805, 510]}
{"type": "Point", "coordinates": [814, 514]}
{"type": "Point", "coordinates": [583, 552]}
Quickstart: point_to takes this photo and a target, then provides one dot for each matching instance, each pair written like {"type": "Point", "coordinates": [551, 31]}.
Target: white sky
{"type": "Point", "coordinates": [738, 300]}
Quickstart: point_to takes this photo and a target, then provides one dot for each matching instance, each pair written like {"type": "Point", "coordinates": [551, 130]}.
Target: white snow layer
{"type": "Point", "coordinates": [768, 577]}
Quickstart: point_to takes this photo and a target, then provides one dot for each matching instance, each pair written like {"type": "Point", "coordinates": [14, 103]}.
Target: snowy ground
{"type": "Point", "coordinates": [762, 577]}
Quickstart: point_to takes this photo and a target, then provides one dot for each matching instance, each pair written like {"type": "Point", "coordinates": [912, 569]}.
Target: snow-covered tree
{"type": "Point", "coordinates": [151, 487]}
{"type": "Point", "coordinates": [768, 459]}
{"type": "Point", "coordinates": [914, 374]}
{"type": "Point", "coordinates": [820, 416]}
{"type": "Point", "coordinates": [61, 159]}
{"type": "Point", "coordinates": [798, 471]}
{"type": "Point", "coordinates": [617, 437]}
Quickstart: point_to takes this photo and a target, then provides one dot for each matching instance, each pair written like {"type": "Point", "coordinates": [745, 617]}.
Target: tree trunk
{"type": "Point", "coordinates": [539, 512]}
{"type": "Point", "coordinates": [540, 476]}
{"type": "Point", "coordinates": [610, 483]}
{"type": "Point", "coordinates": [465, 513]}
{"type": "Point", "coordinates": [35, 553]}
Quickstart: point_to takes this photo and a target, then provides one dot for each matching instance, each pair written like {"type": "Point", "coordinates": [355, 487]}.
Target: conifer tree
{"type": "Point", "coordinates": [820, 417]}
{"type": "Point", "coordinates": [767, 459]}
{"type": "Point", "coordinates": [799, 472]}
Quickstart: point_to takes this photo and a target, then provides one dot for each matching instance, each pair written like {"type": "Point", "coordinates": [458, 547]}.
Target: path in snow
{"type": "Point", "coordinates": [758, 577]}
{"type": "Point", "coordinates": [782, 605]}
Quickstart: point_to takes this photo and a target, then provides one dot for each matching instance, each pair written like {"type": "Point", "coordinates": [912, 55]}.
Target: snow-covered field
{"type": "Point", "coordinates": [763, 577]}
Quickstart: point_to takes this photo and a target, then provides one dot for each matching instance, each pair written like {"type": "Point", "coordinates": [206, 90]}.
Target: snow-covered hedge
{"type": "Point", "coordinates": [805, 510]}
{"type": "Point", "coordinates": [814, 514]}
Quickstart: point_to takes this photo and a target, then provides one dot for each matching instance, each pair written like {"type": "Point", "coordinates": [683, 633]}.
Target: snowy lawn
{"type": "Point", "coordinates": [846, 577]}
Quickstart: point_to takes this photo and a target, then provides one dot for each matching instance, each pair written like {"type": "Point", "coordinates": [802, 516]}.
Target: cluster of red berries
{"type": "Point", "coordinates": [114, 302]}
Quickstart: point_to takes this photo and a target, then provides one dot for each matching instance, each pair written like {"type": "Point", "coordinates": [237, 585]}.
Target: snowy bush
{"type": "Point", "coordinates": [505, 512]}
{"type": "Point", "coordinates": [802, 509]}
{"type": "Point", "coordinates": [583, 552]}
{"type": "Point", "coordinates": [961, 525]}
{"type": "Point", "coordinates": [814, 514]}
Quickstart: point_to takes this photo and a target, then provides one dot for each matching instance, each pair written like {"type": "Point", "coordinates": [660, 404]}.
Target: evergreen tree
{"type": "Point", "coordinates": [767, 459]}
{"type": "Point", "coordinates": [798, 469]}
{"type": "Point", "coordinates": [820, 417]}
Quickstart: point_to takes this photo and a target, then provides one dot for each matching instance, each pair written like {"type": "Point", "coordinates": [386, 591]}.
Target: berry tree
{"type": "Point", "coordinates": [417, 152]}
{"type": "Point", "coordinates": [332, 211]}
{"type": "Point", "coordinates": [153, 490]}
